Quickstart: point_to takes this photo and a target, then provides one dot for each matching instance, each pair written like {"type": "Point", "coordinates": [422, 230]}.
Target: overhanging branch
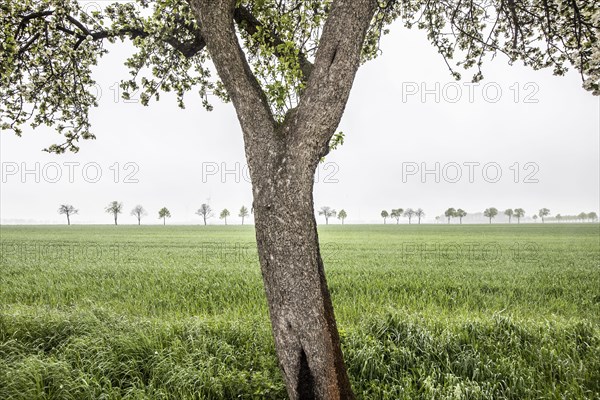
{"type": "Point", "coordinates": [188, 48]}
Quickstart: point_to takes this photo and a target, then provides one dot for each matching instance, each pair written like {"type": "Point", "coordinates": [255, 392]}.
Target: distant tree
{"type": "Point", "coordinates": [409, 213]}
{"type": "Point", "coordinates": [558, 217]}
{"type": "Point", "coordinates": [397, 214]}
{"type": "Point", "coordinates": [490, 213]}
{"type": "Point", "coordinates": [535, 217]}
{"type": "Point", "coordinates": [224, 214]}
{"type": "Point", "coordinates": [509, 212]}
{"type": "Point", "coordinates": [243, 213]}
{"type": "Point", "coordinates": [592, 216]}
{"type": "Point", "coordinates": [420, 214]}
{"type": "Point", "coordinates": [67, 210]}
{"type": "Point", "coordinates": [582, 216]}
{"type": "Point", "coordinates": [138, 211]}
{"type": "Point", "coordinates": [327, 212]}
{"type": "Point", "coordinates": [342, 215]}
{"type": "Point", "coordinates": [460, 213]}
{"type": "Point", "coordinates": [164, 213]}
{"type": "Point", "coordinates": [115, 208]}
{"type": "Point", "coordinates": [544, 212]}
{"type": "Point", "coordinates": [205, 212]}
{"type": "Point", "coordinates": [437, 219]}
{"type": "Point", "coordinates": [450, 213]}
{"type": "Point", "coordinates": [518, 214]}
{"type": "Point", "coordinates": [384, 215]}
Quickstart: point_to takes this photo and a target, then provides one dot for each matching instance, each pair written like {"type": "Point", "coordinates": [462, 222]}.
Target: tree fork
{"type": "Point", "coordinates": [282, 159]}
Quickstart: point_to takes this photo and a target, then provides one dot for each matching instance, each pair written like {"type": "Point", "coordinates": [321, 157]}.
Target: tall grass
{"type": "Point", "coordinates": [425, 312]}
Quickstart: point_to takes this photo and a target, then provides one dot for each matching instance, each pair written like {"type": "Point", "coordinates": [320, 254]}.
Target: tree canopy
{"type": "Point", "coordinates": [49, 49]}
{"type": "Point", "coordinates": [164, 213]}
{"type": "Point", "coordinates": [68, 210]}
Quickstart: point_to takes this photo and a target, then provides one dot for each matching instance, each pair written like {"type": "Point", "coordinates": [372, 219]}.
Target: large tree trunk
{"type": "Point", "coordinates": [282, 159]}
{"type": "Point", "coordinates": [301, 311]}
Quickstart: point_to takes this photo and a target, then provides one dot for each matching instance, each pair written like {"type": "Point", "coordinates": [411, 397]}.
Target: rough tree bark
{"type": "Point", "coordinates": [282, 160]}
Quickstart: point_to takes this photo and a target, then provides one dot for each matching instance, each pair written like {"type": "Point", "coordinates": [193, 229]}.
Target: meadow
{"type": "Point", "coordinates": [179, 312]}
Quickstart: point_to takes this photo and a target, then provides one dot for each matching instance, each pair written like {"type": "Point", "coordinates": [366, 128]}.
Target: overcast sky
{"type": "Point", "coordinates": [538, 131]}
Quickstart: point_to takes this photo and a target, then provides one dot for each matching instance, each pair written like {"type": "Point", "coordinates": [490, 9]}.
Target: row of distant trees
{"type": "Point", "coordinates": [115, 208]}
{"type": "Point", "coordinates": [206, 212]}
{"type": "Point", "coordinates": [519, 213]}
{"type": "Point", "coordinates": [582, 216]}
{"type": "Point", "coordinates": [329, 212]}
{"type": "Point", "coordinates": [489, 213]}
{"type": "Point", "coordinates": [397, 213]}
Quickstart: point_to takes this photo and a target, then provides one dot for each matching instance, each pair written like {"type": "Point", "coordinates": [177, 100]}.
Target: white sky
{"type": "Point", "coordinates": [558, 135]}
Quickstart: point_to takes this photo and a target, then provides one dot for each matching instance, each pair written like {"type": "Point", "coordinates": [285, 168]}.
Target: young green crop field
{"type": "Point", "coordinates": [179, 312]}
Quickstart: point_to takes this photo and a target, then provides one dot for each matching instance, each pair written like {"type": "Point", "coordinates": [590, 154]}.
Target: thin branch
{"type": "Point", "coordinates": [188, 49]}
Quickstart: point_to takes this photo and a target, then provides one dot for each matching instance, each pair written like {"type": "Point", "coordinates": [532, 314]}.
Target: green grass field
{"type": "Point", "coordinates": [178, 312]}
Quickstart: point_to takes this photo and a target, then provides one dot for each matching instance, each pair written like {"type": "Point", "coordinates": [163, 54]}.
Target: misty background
{"type": "Point", "coordinates": [529, 139]}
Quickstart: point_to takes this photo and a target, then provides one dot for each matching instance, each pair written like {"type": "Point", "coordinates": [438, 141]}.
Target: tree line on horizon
{"type": "Point", "coordinates": [519, 213]}
{"type": "Point", "coordinates": [115, 208]}
{"type": "Point", "coordinates": [398, 213]}
{"type": "Point", "coordinates": [489, 213]}
{"type": "Point", "coordinates": [206, 212]}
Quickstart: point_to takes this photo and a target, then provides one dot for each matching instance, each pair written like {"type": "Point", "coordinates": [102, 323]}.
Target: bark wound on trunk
{"type": "Point", "coordinates": [306, 383]}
